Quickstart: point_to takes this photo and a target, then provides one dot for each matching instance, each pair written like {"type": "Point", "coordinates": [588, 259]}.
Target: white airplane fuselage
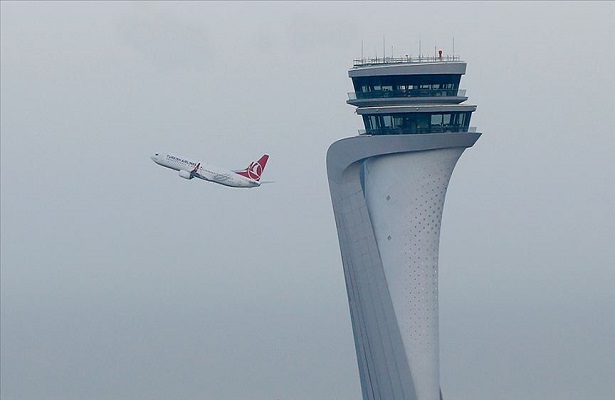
{"type": "Point", "coordinates": [189, 169]}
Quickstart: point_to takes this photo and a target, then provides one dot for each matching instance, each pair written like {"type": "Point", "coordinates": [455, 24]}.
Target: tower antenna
{"type": "Point", "coordinates": [420, 54]}
{"type": "Point", "coordinates": [453, 47]}
{"type": "Point", "coordinates": [384, 54]}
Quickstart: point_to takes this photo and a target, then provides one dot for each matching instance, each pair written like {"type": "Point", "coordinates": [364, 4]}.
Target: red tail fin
{"type": "Point", "coordinates": [255, 169]}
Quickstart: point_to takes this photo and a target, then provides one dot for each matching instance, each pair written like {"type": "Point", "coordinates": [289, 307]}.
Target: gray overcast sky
{"type": "Point", "coordinates": [122, 281]}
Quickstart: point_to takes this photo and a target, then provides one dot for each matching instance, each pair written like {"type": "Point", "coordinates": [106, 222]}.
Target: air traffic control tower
{"type": "Point", "coordinates": [387, 187]}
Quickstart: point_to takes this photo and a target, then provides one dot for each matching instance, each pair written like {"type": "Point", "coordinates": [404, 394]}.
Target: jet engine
{"type": "Point", "coordinates": [185, 174]}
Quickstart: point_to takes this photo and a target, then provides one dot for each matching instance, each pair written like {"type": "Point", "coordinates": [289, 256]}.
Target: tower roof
{"type": "Point", "coordinates": [407, 66]}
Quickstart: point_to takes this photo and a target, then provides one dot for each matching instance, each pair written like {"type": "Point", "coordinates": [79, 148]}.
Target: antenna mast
{"type": "Point", "coordinates": [420, 54]}
{"type": "Point", "coordinates": [384, 54]}
{"type": "Point", "coordinates": [453, 47]}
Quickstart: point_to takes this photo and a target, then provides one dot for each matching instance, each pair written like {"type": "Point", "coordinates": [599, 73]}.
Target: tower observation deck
{"type": "Point", "coordinates": [388, 186]}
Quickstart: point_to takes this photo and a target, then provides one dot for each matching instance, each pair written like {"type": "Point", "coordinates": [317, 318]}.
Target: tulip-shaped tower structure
{"type": "Point", "coordinates": [387, 188]}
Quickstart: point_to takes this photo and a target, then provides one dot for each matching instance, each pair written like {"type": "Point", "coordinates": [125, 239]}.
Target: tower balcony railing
{"type": "Point", "coordinates": [364, 62]}
{"type": "Point", "coordinates": [385, 94]}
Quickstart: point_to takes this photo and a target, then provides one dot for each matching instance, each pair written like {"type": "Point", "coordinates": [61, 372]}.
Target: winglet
{"type": "Point", "coordinates": [195, 170]}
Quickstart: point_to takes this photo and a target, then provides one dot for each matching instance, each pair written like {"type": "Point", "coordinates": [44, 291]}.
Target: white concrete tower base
{"type": "Point", "coordinates": [388, 194]}
{"type": "Point", "coordinates": [405, 198]}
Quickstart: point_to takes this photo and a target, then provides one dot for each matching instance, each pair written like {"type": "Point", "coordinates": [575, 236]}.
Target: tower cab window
{"type": "Point", "coordinates": [416, 123]}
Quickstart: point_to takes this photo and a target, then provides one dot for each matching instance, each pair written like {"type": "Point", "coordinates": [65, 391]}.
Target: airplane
{"type": "Point", "coordinates": [246, 178]}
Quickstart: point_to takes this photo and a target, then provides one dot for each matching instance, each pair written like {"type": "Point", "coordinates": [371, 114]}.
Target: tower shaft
{"type": "Point", "coordinates": [389, 235]}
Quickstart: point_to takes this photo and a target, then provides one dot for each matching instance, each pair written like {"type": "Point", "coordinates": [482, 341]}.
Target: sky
{"type": "Point", "coordinates": [119, 280]}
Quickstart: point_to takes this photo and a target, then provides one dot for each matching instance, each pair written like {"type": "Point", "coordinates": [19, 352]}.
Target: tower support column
{"type": "Point", "coordinates": [390, 253]}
